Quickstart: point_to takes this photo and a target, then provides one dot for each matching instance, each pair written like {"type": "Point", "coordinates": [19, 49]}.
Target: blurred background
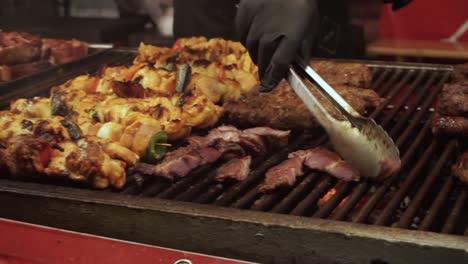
{"type": "Point", "coordinates": [425, 30]}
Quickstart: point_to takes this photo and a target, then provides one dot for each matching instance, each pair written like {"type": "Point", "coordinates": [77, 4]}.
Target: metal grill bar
{"type": "Point", "coordinates": [306, 205]}
{"type": "Point", "coordinates": [418, 116]}
{"type": "Point", "coordinates": [377, 196]}
{"type": "Point", "coordinates": [451, 222]}
{"type": "Point", "coordinates": [415, 172]}
{"type": "Point", "coordinates": [410, 212]}
{"type": "Point", "coordinates": [240, 188]}
{"type": "Point", "coordinates": [293, 197]}
{"type": "Point", "coordinates": [342, 190]}
{"type": "Point", "coordinates": [437, 204]}
{"type": "Point", "coordinates": [403, 100]}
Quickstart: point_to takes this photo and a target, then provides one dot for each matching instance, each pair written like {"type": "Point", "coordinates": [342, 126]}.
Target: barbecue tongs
{"type": "Point", "coordinates": [357, 139]}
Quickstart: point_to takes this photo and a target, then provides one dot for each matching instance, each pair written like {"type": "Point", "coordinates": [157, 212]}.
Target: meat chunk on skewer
{"type": "Point", "coordinates": [286, 173]}
{"type": "Point", "coordinates": [235, 169]}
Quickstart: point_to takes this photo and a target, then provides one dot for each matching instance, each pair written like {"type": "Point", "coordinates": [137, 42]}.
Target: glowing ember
{"type": "Point", "coordinates": [329, 195]}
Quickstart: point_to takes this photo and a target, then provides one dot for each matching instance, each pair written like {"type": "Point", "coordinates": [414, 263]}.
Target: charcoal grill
{"type": "Point", "coordinates": [417, 216]}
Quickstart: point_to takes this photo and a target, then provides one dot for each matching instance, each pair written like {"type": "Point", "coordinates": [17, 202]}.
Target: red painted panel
{"type": "Point", "coordinates": [22, 243]}
{"type": "Point", "coordinates": [424, 19]}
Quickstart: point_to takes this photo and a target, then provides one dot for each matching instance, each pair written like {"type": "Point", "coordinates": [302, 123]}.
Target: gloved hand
{"type": "Point", "coordinates": [274, 32]}
{"type": "Point", "coordinates": [397, 4]}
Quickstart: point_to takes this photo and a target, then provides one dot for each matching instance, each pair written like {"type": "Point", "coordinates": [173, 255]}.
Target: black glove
{"type": "Point", "coordinates": [274, 32]}
{"type": "Point", "coordinates": [397, 4]}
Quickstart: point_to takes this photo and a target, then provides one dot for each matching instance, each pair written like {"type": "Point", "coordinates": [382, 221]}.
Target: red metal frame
{"type": "Point", "coordinates": [424, 19]}
{"type": "Point", "coordinates": [22, 243]}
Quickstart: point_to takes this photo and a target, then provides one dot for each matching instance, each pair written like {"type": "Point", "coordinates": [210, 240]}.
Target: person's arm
{"type": "Point", "coordinates": [274, 31]}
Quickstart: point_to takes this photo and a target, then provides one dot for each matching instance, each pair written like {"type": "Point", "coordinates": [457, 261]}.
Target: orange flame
{"type": "Point", "coordinates": [329, 195]}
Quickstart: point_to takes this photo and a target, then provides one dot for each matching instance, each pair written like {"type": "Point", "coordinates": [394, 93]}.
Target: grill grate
{"type": "Point", "coordinates": [422, 196]}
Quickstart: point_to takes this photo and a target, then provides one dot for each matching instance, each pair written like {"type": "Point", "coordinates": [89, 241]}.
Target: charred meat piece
{"type": "Point", "coordinates": [286, 173]}
{"type": "Point", "coordinates": [453, 100]}
{"type": "Point", "coordinates": [60, 51]}
{"type": "Point", "coordinates": [235, 169]}
{"type": "Point", "coordinates": [460, 169]}
{"type": "Point", "coordinates": [451, 125]}
{"type": "Point", "coordinates": [25, 155]}
{"type": "Point", "coordinates": [346, 73]}
{"type": "Point", "coordinates": [19, 47]}
{"type": "Point", "coordinates": [324, 160]}
{"type": "Point", "coordinates": [279, 137]}
{"type": "Point", "coordinates": [283, 109]}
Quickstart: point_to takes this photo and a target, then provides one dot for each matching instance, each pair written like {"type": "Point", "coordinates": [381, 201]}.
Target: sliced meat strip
{"type": "Point", "coordinates": [324, 160]}
{"type": "Point", "coordinates": [286, 173]}
{"type": "Point", "coordinates": [279, 137]}
{"type": "Point", "coordinates": [180, 162]}
{"type": "Point", "coordinates": [234, 169]}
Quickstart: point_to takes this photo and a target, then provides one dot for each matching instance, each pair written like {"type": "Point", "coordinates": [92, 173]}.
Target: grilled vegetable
{"type": "Point", "coordinates": [182, 98]}
{"type": "Point", "coordinates": [58, 105]}
{"type": "Point", "coordinates": [156, 147]}
{"type": "Point", "coordinates": [73, 129]}
{"type": "Point", "coordinates": [183, 77]}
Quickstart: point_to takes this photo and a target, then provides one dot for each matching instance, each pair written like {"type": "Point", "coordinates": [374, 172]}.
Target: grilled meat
{"type": "Point", "coordinates": [225, 142]}
{"type": "Point", "coordinates": [343, 73]}
{"type": "Point", "coordinates": [17, 48]}
{"type": "Point", "coordinates": [180, 162]}
{"type": "Point", "coordinates": [286, 173]}
{"type": "Point", "coordinates": [60, 51]}
{"type": "Point", "coordinates": [222, 70]}
{"type": "Point", "coordinates": [24, 54]}
{"type": "Point", "coordinates": [460, 169]}
{"type": "Point", "coordinates": [283, 109]}
{"type": "Point", "coordinates": [22, 155]}
{"type": "Point", "coordinates": [236, 169]}
{"type": "Point", "coordinates": [327, 161]}
{"type": "Point", "coordinates": [453, 100]}
{"type": "Point", "coordinates": [451, 125]}
{"type": "Point", "coordinates": [27, 156]}
{"type": "Point", "coordinates": [20, 70]}
{"type": "Point", "coordinates": [253, 140]}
